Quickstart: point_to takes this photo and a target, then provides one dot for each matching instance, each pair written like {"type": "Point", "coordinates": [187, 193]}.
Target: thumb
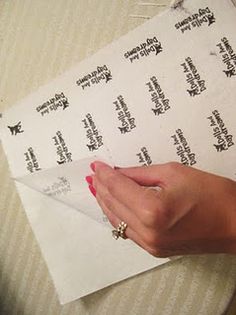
{"type": "Point", "coordinates": [153, 175]}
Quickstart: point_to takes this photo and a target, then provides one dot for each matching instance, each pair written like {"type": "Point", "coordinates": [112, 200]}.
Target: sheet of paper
{"type": "Point", "coordinates": [66, 183]}
{"type": "Point", "coordinates": [165, 91]}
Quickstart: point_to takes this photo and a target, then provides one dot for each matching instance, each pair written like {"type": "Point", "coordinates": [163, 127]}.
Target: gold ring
{"type": "Point", "coordinates": [120, 231]}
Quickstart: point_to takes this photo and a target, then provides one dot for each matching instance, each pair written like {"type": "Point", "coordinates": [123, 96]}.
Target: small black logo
{"type": "Point", "coordinates": [158, 48]}
{"type": "Point", "coordinates": [230, 73]}
{"type": "Point", "coordinates": [157, 111]}
{"type": "Point", "coordinates": [193, 92]}
{"type": "Point", "coordinates": [65, 103]}
{"type": "Point", "coordinates": [124, 129]}
{"type": "Point", "coordinates": [220, 147]}
{"type": "Point", "coordinates": [211, 19]}
{"type": "Point", "coordinates": [108, 76]}
{"type": "Point", "coordinates": [61, 162]}
{"type": "Point", "coordinates": [92, 147]}
{"type": "Point", "coordinates": [16, 129]}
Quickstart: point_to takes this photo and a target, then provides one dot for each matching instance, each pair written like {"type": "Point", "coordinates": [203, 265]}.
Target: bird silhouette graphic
{"type": "Point", "coordinates": [230, 73]}
{"type": "Point", "coordinates": [15, 129]}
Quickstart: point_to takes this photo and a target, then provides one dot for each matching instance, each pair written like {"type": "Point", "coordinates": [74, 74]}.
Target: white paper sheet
{"type": "Point", "coordinates": [165, 91]}
{"type": "Point", "coordinates": [66, 183]}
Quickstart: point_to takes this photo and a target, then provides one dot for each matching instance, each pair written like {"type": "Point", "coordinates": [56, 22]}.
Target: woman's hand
{"type": "Point", "coordinates": [191, 211]}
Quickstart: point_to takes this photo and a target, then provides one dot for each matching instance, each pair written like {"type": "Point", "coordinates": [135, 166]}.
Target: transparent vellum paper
{"type": "Point", "coordinates": [66, 183]}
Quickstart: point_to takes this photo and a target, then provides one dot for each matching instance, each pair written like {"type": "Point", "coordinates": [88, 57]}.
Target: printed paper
{"type": "Point", "coordinates": [164, 92]}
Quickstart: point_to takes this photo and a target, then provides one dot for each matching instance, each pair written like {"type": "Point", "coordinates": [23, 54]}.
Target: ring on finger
{"type": "Point", "coordinates": [120, 231]}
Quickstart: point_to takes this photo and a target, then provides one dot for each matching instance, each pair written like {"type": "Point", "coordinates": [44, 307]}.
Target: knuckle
{"type": "Point", "coordinates": [173, 166]}
{"type": "Point", "coordinates": [149, 209]}
{"type": "Point", "coordinates": [157, 211]}
{"type": "Point", "coordinates": [153, 215]}
{"type": "Point", "coordinates": [156, 244]}
{"type": "Point", "coordinates": [149, 217]}
{"type": "Point", "coordinates": [157, 252]}
{"type": "Point", "coordinates": [154, 252]}
{"type": "Point", "coordinates": [99, 173]}
{"type": "Point", "coordinates": [107, 199]}
{"type": "Point", "coordinates": [165, 216]}
{"type": "Point", "coordinates": [104, 174]}
{"type": "Point", "coordinates": [151, 239]}
{"type": "Point", "coordinates": [110, 182]}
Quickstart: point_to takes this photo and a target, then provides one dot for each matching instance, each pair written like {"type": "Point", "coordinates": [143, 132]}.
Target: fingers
{"type": "Point", "coordinates": [153, 175]}
{"type": "Point", "coordinates": [129, 232]}
{"type": "Point", "coordinates": [119, 210]}
{"type": "Point", "coordinates": [115, 221]}
{"type": "Point", "coordinates": [143, 202]}
{"type": "Point", "coordinates": [122, 198]}
{"type": "Point", "coordinates": [180, 218]}
{"type": "Point", "coordinates": [144, 175]}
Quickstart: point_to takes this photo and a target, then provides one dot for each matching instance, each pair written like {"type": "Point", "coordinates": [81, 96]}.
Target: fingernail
{"type": "Point", "coordinates": [92, 166]}
{"type": "Point", "coordinates": [92, 190]}
{"type": "Point", "coordinates": [89, 180]}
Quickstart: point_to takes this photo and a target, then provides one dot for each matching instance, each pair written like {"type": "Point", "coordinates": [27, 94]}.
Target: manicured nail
{"type": "Point", "coordinates": [93, 190]}
{"type": "Point", "coordinates": [92, 166]}
{"type": "Point", "coordinates": [89, 180]}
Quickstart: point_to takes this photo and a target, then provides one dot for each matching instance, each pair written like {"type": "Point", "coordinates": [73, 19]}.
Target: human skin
{"type": "Point", "coordinates": [190, 212]}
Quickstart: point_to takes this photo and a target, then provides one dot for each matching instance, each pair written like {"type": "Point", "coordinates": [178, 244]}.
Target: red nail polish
{"type": "Point", "coordinates": [93, 190]}
{"type": "Point", "coordinates": [89, 180]}
{"type": "Point", "coordinates": [92, 166]}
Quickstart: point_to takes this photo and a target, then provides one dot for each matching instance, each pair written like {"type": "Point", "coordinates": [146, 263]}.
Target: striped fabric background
{"type": "Point", "coordinates": [39, 39]}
